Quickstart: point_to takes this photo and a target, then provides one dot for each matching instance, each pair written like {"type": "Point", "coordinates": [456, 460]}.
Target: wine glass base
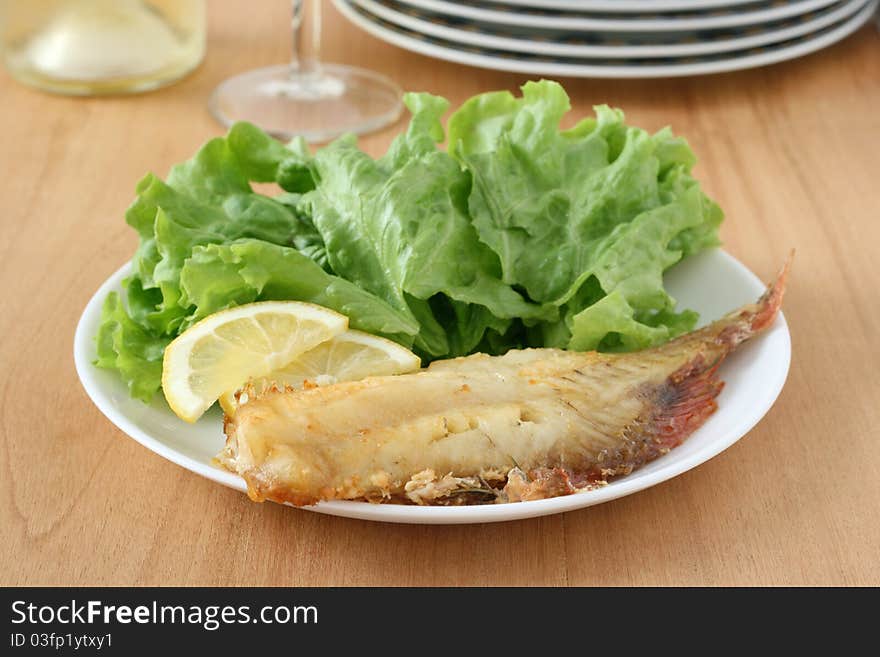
{"type": "Point", "coordinates": [319, 103]}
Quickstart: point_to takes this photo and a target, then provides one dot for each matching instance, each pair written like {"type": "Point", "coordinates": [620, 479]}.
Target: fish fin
{"type": "Point", "coordinates": [687, 398]}
{"type": "Point", "coordinates": [740, 325]}
{"type": "Point", "coordinates": [723, 335]}
{"type": "Point", "coordinates": [684, 402]}
{"type": "Point", "coordinates": [768, 305]}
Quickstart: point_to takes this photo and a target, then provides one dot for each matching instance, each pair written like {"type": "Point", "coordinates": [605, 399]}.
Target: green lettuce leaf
{"type": "Point", "coordinates": [206, 200]}
{"type": "Point", "coordinates": [399, 227]}
{"type": "Point", "coordinates": [611, 325]}
{"type": "Point", "coordinates": [601, 200]}
{"type": "Point", "coordinates": [218, 276]}
{"type": "Point", "coordinates": [125, 346]}
{"type": "Point", "coordinates": [518, 234]}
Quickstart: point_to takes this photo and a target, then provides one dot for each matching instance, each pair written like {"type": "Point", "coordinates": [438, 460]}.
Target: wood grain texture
{"type": "Point", "coordinates": [791, 152]}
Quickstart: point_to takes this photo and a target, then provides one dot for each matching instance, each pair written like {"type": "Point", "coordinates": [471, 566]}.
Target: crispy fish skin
{"type": "Point", "coordinates": [531, 424]}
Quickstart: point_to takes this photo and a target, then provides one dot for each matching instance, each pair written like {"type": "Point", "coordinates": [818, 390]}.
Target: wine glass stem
{"type": "Point", "coordinates": [306, 52]}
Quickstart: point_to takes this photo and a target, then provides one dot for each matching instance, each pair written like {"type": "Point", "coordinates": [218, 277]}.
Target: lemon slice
{"type": "Point", "coordinates": [225, 349]}
{"type": "Point", "coordinates": [349, 356]}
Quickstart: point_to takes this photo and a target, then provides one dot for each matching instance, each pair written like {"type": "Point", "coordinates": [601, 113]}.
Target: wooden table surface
{"type": "Point", "coordinates": [791, 152]}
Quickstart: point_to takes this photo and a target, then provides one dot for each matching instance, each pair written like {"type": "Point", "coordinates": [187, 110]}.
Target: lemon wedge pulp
{"type": "Point", "coordinates": [349, 356]}
{"type": "Point", "coordinates": [222, 351]}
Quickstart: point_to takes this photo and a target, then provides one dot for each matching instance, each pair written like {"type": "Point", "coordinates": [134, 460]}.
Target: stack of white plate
{"type": "Point", "coordinates": [611, 38]}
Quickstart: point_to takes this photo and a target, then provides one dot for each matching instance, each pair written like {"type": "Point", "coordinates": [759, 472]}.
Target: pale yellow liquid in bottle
{"type": "Point", "coordinates": [101, 46]}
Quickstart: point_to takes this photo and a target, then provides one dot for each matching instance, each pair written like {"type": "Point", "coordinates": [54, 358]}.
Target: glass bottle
{"type": "Point", "coordinates": [90, 47]}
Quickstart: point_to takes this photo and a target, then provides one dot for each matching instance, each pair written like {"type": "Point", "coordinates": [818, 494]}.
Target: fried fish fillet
{"type": "Point", "coordinates": [531, 424]}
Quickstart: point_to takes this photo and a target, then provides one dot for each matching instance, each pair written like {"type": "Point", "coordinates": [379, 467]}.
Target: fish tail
{"type": "Point", "coordinates": [687, 397]}
{"type": "Point", "coordinates": [742, 324]}
{"type": "Point", "coordinates": [768, 305]}
{"type": "Point", "coordinates": [683, 403]}
{"type": "Point", "coordinates": [724, 335]}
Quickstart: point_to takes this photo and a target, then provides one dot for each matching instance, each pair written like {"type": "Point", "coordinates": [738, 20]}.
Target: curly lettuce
{"type": "Point", "coordinates": [517, 234]}
{"type": "Point", "coordinates": [601, 200]}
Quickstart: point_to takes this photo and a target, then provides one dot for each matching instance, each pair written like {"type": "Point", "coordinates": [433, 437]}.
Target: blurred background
{"type": "Point", "coordinates": [98, 47]}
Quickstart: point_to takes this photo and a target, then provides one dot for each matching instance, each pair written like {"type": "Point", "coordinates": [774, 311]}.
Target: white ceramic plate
{"type": "Point", "coordinates": [547, 18]}
{"type": "Point", "coordinates": [612, 45]}
{"type": "Point", "coordinates": [711, 283]}
{"type": "Point", "coordinates": [626, 6]}
{"type": "Point", "coordinates": [603, 68]}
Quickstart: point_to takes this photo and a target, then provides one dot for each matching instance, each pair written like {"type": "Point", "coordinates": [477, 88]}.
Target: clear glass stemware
{"type": "Point", "coordinates": [308, 97]}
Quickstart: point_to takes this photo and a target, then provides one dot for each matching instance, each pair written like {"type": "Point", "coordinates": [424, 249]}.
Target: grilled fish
{"type": "Point", "coordinates": [532, 424]}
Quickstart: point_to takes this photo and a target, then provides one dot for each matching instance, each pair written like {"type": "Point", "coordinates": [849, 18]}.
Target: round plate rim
{"type": "Point", "coordinates": [456, 35]}
{"type": "Point", "coordinates": [557, 69]}
{"type": "Point", "coordinates": [630, 6]}
{"type": "Point", "coordinates": [622, 24]}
